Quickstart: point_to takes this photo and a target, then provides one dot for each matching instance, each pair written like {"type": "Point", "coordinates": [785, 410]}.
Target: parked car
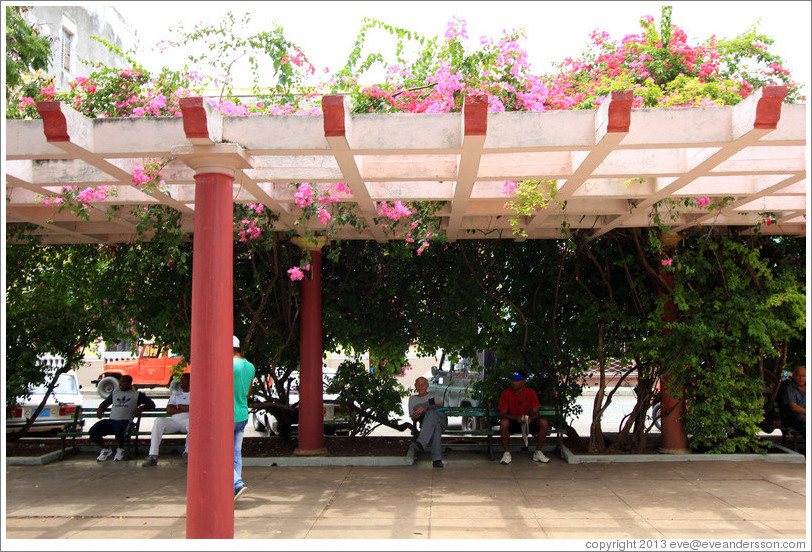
{"type": "Point", "coordinates": [456, 381]}
{"type": "Point", "coordinates": [154, 367]}
{"type": "Point", "coordinates": [58, 411]}
{"type": "Point", "coordinates": [336, 419]}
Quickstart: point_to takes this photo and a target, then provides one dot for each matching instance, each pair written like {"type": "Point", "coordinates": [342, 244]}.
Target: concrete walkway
{"type": "Point", "coordinates": [471, 498]}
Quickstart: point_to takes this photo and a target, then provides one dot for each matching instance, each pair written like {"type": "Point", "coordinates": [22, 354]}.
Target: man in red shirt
{"type": "Point", "coordinates": [517, 405]}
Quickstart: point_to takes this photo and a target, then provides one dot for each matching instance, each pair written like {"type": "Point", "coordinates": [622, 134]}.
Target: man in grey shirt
{"type": "Point", "coordinates": [125, 402]}
{"type": "Point", "coordinates": [423, 407]}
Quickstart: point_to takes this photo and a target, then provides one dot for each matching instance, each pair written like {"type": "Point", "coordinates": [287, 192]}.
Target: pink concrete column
{"type": "Point", "coordinates": [311, 351]}
{"type": "Point", "coordinates": [209, 492]}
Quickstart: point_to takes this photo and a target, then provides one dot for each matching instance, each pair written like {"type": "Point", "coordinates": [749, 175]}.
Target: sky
{"type": "Point", "coordinates": [326, 31]}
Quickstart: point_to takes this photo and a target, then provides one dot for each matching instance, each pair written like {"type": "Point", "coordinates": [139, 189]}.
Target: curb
{"type": "Point", "coordinates": [329, 461]}
{"type": "Point", "coordinates": [33, 460]}
{"type": "Point", "coordinates": [788, 455]}
{"type": "Point", "coordinates": [407, 460]}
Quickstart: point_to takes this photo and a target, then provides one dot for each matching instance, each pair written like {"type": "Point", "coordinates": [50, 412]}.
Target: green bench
{"type": "Point", "coordinates": [486, 423]}
{"type": "Point", "coordinates": [78, 429]}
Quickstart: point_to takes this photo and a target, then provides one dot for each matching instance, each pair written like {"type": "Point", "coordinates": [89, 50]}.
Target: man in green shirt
{"type": "Point", "coordinates": [244, 373]}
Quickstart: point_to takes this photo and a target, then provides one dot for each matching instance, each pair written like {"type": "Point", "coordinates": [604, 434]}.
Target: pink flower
{"type": "Point", "coordinates": [327, 199]}
{"type": "Point", "coordinates": [702, 201]}
{"type": "Point", "coordinates": [394, 210]}
{"type": "Point", "coordinates": [157, 102]}
{"type": "Point", "coordinates": [139, 177]}
{"type": "Point", "coordinates": [769, 220]}
{"type": "Point", "coordinates": [324, 215]}
{"type": "Point", "coordinates": [28, 102]}
{"type": "Point", "coordinates": [667, 262]}
{"type": "Point", "coordinates": [296, 273]}
{"type": "Point", "coordinates": [304, 196]}
{"type": "Point", "coordinates": [509, 188]}
{"type": "Point", "coordinates": [343, 187]}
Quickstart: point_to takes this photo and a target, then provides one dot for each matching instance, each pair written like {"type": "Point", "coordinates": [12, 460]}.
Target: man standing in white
{"type": "Point", "coordinates": [177, 421]}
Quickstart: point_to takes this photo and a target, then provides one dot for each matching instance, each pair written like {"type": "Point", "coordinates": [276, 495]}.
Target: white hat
{"type": "Point", "coordinates": [236, 342]}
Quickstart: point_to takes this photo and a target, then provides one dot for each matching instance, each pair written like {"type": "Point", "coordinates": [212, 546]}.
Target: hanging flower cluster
{"type": "Point", "coordinates": [78, 200]}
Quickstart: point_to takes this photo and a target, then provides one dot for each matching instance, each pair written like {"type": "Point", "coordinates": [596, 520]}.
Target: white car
{"type": "Point", "coordinates": [335, 418]}
{"type": "Point", "coordinates": [58, 411]}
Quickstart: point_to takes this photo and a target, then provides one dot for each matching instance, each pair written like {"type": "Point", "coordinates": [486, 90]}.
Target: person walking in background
{"type": "Point", "coordinates": [176, 421]}
{"type": "Point", "coordinates": [244, 373]}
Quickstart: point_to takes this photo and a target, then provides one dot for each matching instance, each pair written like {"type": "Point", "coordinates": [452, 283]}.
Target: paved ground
{"type": "Point", "coordinates": [471, 498]}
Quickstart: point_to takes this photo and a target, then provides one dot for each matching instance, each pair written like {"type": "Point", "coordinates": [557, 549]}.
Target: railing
{"type": "Point", "coordinates": [112, 356]}
{"type": "Point", "coordinates": [52, 361]}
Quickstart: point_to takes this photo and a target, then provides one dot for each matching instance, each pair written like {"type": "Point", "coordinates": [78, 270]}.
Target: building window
{"type": "Point", "coordinates": [67, 43]}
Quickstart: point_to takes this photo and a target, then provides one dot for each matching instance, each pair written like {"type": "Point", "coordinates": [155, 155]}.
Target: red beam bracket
{"type": "Point", "coordinates": [768, 109]}
{"type": "Point", "coordinates": [620, 111]}
{"type": "Point", "coordinates": [475, 115]}
{"type": "Point", "coordinates": [333, 109]}
{"type": "Point", "coordinates": [195, 123]}
{"type": "Point", "coordinates": [54, 123]}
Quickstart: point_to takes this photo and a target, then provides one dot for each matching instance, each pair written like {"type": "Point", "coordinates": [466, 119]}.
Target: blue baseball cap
{"type": "Point", "coordinates": [517, 376]}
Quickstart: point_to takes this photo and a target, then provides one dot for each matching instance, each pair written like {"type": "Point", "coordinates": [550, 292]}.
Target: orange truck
{"type": "Point", "coordinates": [154, 367]}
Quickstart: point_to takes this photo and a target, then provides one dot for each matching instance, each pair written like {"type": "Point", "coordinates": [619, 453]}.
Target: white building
{"type": "Point", "coordinates": [71, 29]}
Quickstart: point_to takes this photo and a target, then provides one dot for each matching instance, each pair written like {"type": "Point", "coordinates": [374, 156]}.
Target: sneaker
{"type": "Point", "coordinates": [104, 455]}
{"type": "Point", "coordinates": [438, 464]}
{"type": "Point", "coordinates": [238, 492]}
{"type": "Point", "coordinates": [538, 456]}
{"type": "Point", "coordinates": [185, 457]}
{"type": "Point", "coordinates": [506, 459]}
{"type": "Point", "coordinates": [119, 455]}
{"type": "Point", "coordinates": [150, 461]}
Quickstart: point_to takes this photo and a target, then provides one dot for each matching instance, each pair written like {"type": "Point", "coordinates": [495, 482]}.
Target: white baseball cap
{"type": "Point", "coordinates": [235, 341]}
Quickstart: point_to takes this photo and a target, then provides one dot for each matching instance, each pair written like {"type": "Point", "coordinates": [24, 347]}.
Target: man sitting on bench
{"type": "Point", "coordinates": [795, 398]}
{"type": "Point", "coordinates": [125, 403]}
{"type": "Point", "coordinates": [176, 421]}
{"type": "Point", "coordinates": [423, 407]}
{"type": "Point", "coordinates": [520, 405]}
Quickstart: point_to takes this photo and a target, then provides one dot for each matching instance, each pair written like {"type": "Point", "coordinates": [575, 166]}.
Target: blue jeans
{"type": "Point", "coordinates": [239, 431]}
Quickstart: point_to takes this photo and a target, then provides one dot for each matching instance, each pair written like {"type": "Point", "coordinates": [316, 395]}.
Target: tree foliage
{"type": "Point", "coordinates": [59, 301]}
{"type": "Point", "coordinates": [27, 50]}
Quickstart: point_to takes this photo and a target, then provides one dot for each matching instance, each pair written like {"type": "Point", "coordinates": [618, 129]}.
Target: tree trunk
{"type": "Point", "coordinates": [596, 442]}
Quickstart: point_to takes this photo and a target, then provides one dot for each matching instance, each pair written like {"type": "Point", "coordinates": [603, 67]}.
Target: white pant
{"type": "Point", "coordinates": [167, 425]}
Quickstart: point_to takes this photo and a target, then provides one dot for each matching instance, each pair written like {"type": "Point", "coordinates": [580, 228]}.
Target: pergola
{"type": "Point", "coordinates": [611, 166]}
